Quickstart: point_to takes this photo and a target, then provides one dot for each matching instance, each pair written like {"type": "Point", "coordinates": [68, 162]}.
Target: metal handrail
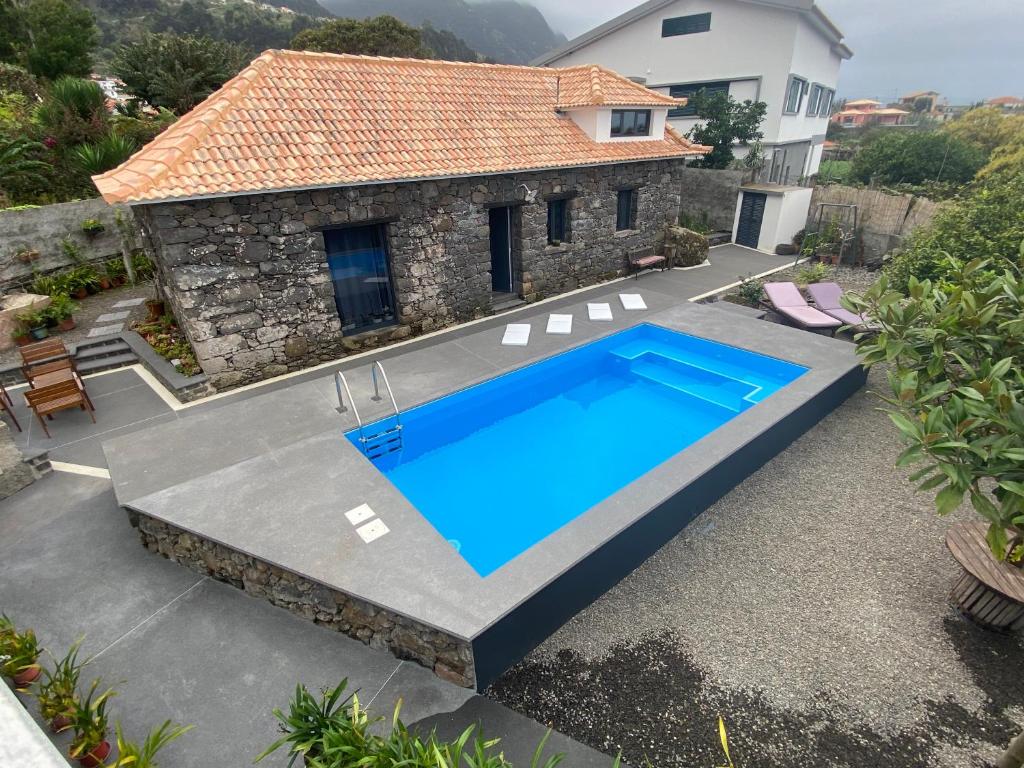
{"type": "Point", "coordinates": [339, 382]}
{"type": "Point", "coordinates": [376, 389]}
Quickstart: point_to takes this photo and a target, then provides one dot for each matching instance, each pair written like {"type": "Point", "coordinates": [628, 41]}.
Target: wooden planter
{"type": "Point", "coordinates": [989, 593]}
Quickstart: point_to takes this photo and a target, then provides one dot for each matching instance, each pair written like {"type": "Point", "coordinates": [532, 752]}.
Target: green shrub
{"type": "Point", "coordinates": [107, 152]}
{"type": "Point", "coordinates": [956, 361]}
{"type": "Point", "coordinates": [143, 265]}
{"type": "Point", "coordinates": [333, 732]}
{"type": "Point", "coordinates": [987, 223]}
{"type": "Point", "coordinates": [750, 291]}
{"type": "Point", "coordinates": [699, 223]}
{"type": "Point", "coordinates": [816, 272]}
{"type": "Point", "coordinates": [914, 157]}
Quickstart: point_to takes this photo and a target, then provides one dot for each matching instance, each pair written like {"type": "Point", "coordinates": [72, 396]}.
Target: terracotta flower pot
{"type": "Point", "coordinates": [95, 756]}
{"type": "Point", "coordinates": [60, 723]}
{"type": "Point", "coordinates": [156, 309]}
{"type": "Point", "coordinates": [22, 340]}
{"type": "Point", "coordinates": [26, 676]}
{"type": "Point", "coordinates": [81, 293]}
{"type": "Point", "coordinates": [66, 324]}
{"type": "Point", "coordinates": [104, 283]}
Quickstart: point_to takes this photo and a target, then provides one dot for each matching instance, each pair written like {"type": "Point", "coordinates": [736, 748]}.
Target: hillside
{"type": "Point", "coordinates": [504, 30]}
{"type": "Point", "coordinates": [257, 26]}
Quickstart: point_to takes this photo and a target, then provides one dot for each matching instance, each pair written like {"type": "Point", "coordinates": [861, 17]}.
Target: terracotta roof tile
{"type": "Point", "coordinates": [297, 119]}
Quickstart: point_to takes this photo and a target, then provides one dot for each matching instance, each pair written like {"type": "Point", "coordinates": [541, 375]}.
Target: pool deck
{"type": "Point", "coordinates": [231, 471]}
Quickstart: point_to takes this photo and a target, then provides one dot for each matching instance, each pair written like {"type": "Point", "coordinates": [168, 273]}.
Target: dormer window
{"type": "Point", "coordinates": [631, 122]}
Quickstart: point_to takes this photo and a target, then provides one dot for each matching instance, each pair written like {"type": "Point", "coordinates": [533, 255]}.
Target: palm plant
{"type": "Point", "coordinates": [308, 721]}
{"type": "Point", "coordinates": [133, 755]}
{"type": "Point", "coordinates": [100, 156]}
{"type": "Point", "coordinates": [58, 692]}
{"type": "Point", "coordinates": [73, 111]}
{"type": "Point", "coordinates": [89, 722]}
{"type": "Point", "coordinates": [19, 165]}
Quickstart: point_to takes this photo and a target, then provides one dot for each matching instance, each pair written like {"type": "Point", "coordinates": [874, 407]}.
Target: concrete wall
{"type": "Point", "coordinates": [711, 192]}
{"type": "Point", "coordinates": [42, 229]}
{"type": "Point", "coordinates": [885, 219]}
{"type": "Point", "coordinates": [249, 283]}
{"type": "Point", "coordinates": [746, 41]}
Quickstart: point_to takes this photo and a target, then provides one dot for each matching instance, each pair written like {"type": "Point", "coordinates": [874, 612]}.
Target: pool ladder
{"type": "Point", "coordinates": [379, 443]}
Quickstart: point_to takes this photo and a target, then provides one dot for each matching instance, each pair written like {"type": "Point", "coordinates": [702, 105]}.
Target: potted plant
{"type": "Point", "coordinates": [114, 268]}
{"type": "Point", "coordinates": [89, 746]}
{"type": "Point", "coordinates": [92, 227]}
{"type": "Point", "coordinates": [156, 308]}
{"type": "Point", "coordinates": [58, 690]}
{"type": "Point", "coordinates": [133, 755]}
{"type": "Point", "coordinates": [61, 312]}
{"type": "Point", "coordinates": [83, 280]}
{"type": "Point", "coordinates": [957, 376]}
{"type": "Point", "coordinates": [35, 322]}
{"type": "Point", "coordinates": [20, 334]}
{"type": "Point", "coordinates": [19, 652]}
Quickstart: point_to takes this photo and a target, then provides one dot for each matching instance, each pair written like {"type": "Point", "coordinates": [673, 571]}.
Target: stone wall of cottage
{"type": "Point", "coordinates": [449, 657]}
{"type": "Point", "coordinates": [248, 279]}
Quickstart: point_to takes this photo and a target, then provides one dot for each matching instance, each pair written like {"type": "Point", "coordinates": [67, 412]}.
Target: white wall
{"type": "Point", "coordinates": [746, 40]}
{"type": "Point", "coordinates": [597, 122]}
{"type": "Point", "coordinates": [784, 215]}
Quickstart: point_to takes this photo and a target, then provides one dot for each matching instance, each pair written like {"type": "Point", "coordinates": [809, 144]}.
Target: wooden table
{"type": "Point", "coordinates": [989, 592]}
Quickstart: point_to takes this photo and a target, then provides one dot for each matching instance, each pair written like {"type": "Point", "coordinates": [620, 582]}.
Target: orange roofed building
{"type": "Point", "coordinates": [861, 112]}
{"type": "Point", "coordinates": [319, 204]}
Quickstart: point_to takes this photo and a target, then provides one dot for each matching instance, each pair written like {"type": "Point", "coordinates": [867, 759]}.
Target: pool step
{"type": "Point", "coordinates": [716, 389]}
{"type": "Point", "coordinates": [382, 443]}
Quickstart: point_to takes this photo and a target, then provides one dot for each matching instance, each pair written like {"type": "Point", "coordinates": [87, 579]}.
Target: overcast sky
{"type": "Point", "coordinates": [967, 51]}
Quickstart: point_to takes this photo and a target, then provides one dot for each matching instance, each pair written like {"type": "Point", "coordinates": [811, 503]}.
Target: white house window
{"type": "Point", "coordinates": [795, 91]}
{"type": "Point", "coordinates": [814, 102]}
{"type": "Point", "coordinates": [825, 108]}
{"type": "Point", "coordinates": [631, 122]}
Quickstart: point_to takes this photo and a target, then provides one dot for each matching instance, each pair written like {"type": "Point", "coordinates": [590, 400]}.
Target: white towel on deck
{"type": "Point", "coordinates": [632, 301]}
{"type": "Point", "coordinates": [559, 324]}
{"type": "Point", "coordinates": [516, 335]}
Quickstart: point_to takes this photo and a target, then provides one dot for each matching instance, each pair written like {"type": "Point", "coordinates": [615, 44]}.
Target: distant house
{"type": "Point", "coordinates": [1010, 104]}
{"type": "Point", "coordinates": [931, 100]}
{"type": "Point", "coordinates": [861, 112]}
{"type": "Point", "coordinates": [786, 53]}
{"type": "Point", "coordinates": [320, 204]}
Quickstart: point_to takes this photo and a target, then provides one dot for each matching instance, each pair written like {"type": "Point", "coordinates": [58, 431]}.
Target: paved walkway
{"type": "Point", "coordinates": [180, 646]}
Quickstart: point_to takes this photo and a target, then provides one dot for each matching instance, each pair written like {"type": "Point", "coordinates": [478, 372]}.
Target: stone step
{"type": "Point", "coordinates": [107, 362]}
{"type": "Point", "coordinates": [506, 304]}
{"type": "Point", "coordinates": [89, 351]}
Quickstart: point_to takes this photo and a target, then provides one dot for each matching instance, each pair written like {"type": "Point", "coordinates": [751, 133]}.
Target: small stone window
{"type": "Point", "coordinates": [625, 211]}
{"type": "Point", "coordinates": [631, 122]}
{"type": "Point", "coordinates": [558, 221]}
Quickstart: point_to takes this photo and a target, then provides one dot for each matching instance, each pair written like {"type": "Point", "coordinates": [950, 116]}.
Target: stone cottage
{"type": "Point", "coordinates": [319, 204]}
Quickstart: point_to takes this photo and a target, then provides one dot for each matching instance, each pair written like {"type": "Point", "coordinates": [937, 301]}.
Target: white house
{"type": "Point", "coordinates": [785, 53]}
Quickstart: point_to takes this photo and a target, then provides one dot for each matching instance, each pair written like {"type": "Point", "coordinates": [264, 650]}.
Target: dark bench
{"type": "Point", "coordinates": [645, 258]}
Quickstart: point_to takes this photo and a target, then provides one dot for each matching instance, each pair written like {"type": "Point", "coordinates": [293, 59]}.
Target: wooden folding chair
{"type": "Point", "coordinates": [48, 400]}
{"type": "Point", "coordinates": [8, 407]}
{"type": "Point", "coordinates": [40, 351]}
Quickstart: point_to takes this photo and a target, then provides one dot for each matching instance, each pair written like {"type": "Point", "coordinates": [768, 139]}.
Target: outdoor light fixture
{"type": "Point", "coordinates": [528, 195]}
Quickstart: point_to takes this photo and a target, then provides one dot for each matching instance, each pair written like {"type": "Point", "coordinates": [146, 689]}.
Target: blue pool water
{"type": "Point", "coordinates": [499, 466]}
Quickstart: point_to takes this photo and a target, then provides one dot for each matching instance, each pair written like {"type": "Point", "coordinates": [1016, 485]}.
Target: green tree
{"type": "Point", "coordinates": [12, 31]}
{"type": "Point", "coordinates": [914, 157]}
{"type": "Point", "coordinates": [724, 121]}
{"type": "Point", "coordinates": [15, 79]}
{"type": "Point", "coordinates": [20, 167]}
{"type": "Point", "coordinates": [62, 35]}
{"type": "Point", "coordinates": [177, 71]}
{"type": "Point", "coordinates": [986, 128]}
{"type": "Point", "coordinates": [380, 36]}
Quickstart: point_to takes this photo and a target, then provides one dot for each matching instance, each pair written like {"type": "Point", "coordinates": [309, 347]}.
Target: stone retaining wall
{"type": "Point", "coordinates": [448, 657]}
{"type": "Point", "coordinates": [248, 277]}
{"type": "Point", "coordinates": [711, 194]}
{"type": "Point", "coordinates": [42, 229]}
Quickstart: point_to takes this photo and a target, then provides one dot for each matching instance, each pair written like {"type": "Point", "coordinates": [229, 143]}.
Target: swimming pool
{"type": "Point", "coordinates": [499, 466]}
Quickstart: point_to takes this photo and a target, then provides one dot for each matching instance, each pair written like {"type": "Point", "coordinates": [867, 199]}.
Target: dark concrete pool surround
{"type": "Point", "coordinates": [271, 476]}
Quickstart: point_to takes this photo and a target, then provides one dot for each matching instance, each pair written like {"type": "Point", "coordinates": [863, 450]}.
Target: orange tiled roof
{"type": "Point", "coordinates": [298, 119]}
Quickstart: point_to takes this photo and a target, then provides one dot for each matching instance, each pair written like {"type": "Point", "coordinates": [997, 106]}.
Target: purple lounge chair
{"type": "Point", "coordinates": [791, 304]}
{"type": "Point", "coordinates": [826, 298]}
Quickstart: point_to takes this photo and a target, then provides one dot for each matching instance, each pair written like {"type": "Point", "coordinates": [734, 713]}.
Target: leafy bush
{"type": "Point", "coordinates": [987, 223]}
{"type": "Point", "coordinates": [167, 340]}
{"type": "Point", "coordinates": [58, 695]}
{"type": "Point", "coordinates": [957, 382]}
{"type": "Point", "coordinates": [750, 291]}
{"type": "Point", "coordinates": [338, 733]}
{"type": "Point", "coordinates": [74, 111]}
{"type": "Point", "coordinates": [61, 308]}
{"type": "Point", "coordinates": [914, 157]}
{"type": "Point", "coordinates": [695, 223]}
{"type": "Point", "coordinates": [816, 272]}
{"type": "Point", "coordinates": [130, 754]}
{"type": "Point", "coordinates": [15, 79]}
{"type": "Point", "coordinates": [143, 265]}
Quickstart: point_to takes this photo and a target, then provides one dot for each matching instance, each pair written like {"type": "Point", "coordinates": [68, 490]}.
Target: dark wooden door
{"type": "Point", "coordinates": [501, 249]}
{"type": "Point", "coordinates": [751, 214]}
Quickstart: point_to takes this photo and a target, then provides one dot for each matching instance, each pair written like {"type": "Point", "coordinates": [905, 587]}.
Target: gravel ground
{"type": "Point", "coordinates": [89, 309]}
{"type": "Point", "coordinates": [809, 607]}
